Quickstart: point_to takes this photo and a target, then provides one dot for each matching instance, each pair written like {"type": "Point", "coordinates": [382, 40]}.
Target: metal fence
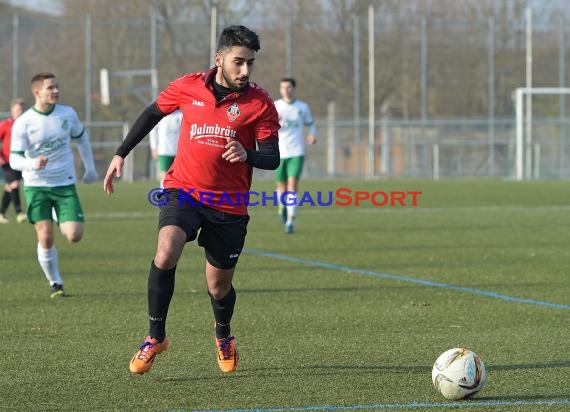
{"type": "Point", "coordinates": [443, 105]}
{"type": "Point", "coordinates": [457, 148]}
{"type": "Point", "coordinates": [436, 149]}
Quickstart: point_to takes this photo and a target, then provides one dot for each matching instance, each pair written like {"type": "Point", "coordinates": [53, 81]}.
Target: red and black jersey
{"type": "Point", "coordinates": [207, 126]}
{"type": "Point", "coordinates": [5, 138]}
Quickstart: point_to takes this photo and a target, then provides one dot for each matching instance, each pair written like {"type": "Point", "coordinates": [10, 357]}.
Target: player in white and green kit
{"type": "Point", "coordinates": [164, 141]}
{"type": "Point", "coordinates": [294, 114]}
{"type": "Point", "coordinates": [41, 149]}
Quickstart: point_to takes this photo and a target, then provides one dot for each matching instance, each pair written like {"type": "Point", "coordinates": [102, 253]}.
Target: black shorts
{"type": "Point", "coordinates": [11, 175]}
{"type": "Point", "coordinates": [221, 234]}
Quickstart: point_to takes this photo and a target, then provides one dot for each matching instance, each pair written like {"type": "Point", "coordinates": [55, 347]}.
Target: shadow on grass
{"type": "Point", "coordinates": [543, 365]}
{"type": "Point", "coordinates": [320, 289]}
{"type": "Point", "coordinates": [335, 370]}
{"type": "Point", "coordinates": [308, 370]}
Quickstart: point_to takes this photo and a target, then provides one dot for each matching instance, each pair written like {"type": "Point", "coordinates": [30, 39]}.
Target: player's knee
{"type": "Point", "coordinates": [219, 292]}
{"type": "Point", "coordinates": [46, 242]}
{"type": "Point", "coordinates": [219, 282]}
{"type": "Point", "coordinates": [72, 231]}
{"type": "Point", "coordinates": [165, 260]}
{"type": "Point", "coordinates": [45, 236]}
{"type": "Point", "coordinates": [74, 237]}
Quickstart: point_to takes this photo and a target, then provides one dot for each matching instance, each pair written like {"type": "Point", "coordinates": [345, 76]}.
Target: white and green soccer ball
{"type": "Point", "coordinates": [458, 373]}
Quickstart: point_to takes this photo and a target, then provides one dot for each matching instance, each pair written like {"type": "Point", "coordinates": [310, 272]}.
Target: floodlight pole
{"type": "Point", "coordinates": [491, 94]}
{"type": "Point", "coordinates": [88, 67]}
{"type": "Point", "coordinates": [562, 101]}
{"type": "Point", "coordinates": [371, 96]}
{"type": "Point", "coordinates": [154, 84]}
{"type": "Point", "coordinates": [153, 41]}
{"type": "Point", "coordinates": [356, 37]}
{"type": "Point", "coordinates": [528, 152]}
{"type": "Point", "coordinates": [213, 31]}
{"type": "Point", "coordinates": [15, 54]}
{"type": "Point", "coordinates": [289, 45]}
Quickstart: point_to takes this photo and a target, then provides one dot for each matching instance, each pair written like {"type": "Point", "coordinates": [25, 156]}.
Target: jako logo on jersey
{"type": "Point", "coordinates": [233, 112]}
{"type": "Point", "coordinates": [64, 124]}
{"type": "Point", "coordinates": [208, 130]}
{"type": "Point", "coordinates": [198, 103]}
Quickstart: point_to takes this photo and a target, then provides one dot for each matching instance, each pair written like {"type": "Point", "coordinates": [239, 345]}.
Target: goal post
{"type": "Point", "coordinates": [146, 94]}
{"type": "Point", "coordinates": [526, 149]}
{"type": "Point", "coordinates": [104, 87]}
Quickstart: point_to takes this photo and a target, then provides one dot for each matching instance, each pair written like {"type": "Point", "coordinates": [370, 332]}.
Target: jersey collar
{"type": "Point", "coordinates": [44, 113]}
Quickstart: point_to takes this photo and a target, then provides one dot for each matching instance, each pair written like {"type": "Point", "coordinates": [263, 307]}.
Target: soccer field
{"type": "Point", "coordinates": [349, 312]}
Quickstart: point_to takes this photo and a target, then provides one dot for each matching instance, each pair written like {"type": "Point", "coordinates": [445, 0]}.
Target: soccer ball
{"type": "Point", "coordinates": [458, 373]}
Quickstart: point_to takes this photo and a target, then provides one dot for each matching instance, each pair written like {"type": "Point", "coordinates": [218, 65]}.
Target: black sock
{"type": "Point", "coordinates": [223, 311]}
{"type": "Point", "coordinates": [15, 195]}
{"type": "Point", "coordinates": [5, 202]}
{"type": "Point", "coordinates": [160, 291]}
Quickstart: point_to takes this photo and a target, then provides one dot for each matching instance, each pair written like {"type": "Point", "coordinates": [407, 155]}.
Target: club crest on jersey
{"type": "Point", "coordinates": [233, 112]}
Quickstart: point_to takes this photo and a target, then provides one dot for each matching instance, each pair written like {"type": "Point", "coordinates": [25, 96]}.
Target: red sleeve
{"type": "Point", "coordinates": [268, 124]}
{"type": "Point", "coordinates": [169, 99]}
{"type": "Point", "coordinates": [3, 129]}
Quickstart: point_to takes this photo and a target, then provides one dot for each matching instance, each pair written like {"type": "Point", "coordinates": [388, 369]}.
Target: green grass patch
{"type": "Point", "coordinates": [308, 335]}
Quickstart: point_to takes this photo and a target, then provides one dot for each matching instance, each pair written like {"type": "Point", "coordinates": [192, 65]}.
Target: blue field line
{"type": "Point", "coordinates": [474, 291]}
{"type": "Point", "coordinates": [411, 405]}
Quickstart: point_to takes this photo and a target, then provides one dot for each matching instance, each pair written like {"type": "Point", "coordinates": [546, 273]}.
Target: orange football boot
{"type": "Point", "coordinates": [227, 354]}
{"type": "Point", "coordinates": [143, 359]}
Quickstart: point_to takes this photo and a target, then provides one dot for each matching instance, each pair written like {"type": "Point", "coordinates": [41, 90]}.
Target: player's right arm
{"type": "Point", "coordinates": [18, 147]}
{"type": "Point", "coordinates": [148, 119]}
{"type": "Point", "coordinates": [114, 169]}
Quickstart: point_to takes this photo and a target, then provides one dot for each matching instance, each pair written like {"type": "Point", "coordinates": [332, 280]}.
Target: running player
{"type": "Point", "coordinates": [293, 115]}
{"type": "Point", "coordinates": [41, 149]}
{"type": "Point", "coordinates": [164, 141]}
{"type": "Point", "coordinates": [225, 116]}
{"type": "Point", "coordinates": [11, 177]}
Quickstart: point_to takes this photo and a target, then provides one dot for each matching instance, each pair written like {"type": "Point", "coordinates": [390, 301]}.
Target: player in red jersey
{"type": "Point", "coordinates": [11, 177]}
{"type": "Point", "coordinates": [229, 126]}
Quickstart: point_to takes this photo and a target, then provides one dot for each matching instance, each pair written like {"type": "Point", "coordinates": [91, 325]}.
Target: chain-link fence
{"type": "Point", "coordinates": [443, 80]}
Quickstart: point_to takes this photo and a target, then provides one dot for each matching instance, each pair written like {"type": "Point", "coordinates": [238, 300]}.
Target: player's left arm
{"type": "Point", "coordinates": [309, 122]}
{"type": "Point", "coordinates": [267, 156]}
{"type": "Point", "coordinates": [86, 154]}
{"type": "Point", "coordinates": [266, 132]}
{"type": "Point", "coordinates": [80, 135]}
